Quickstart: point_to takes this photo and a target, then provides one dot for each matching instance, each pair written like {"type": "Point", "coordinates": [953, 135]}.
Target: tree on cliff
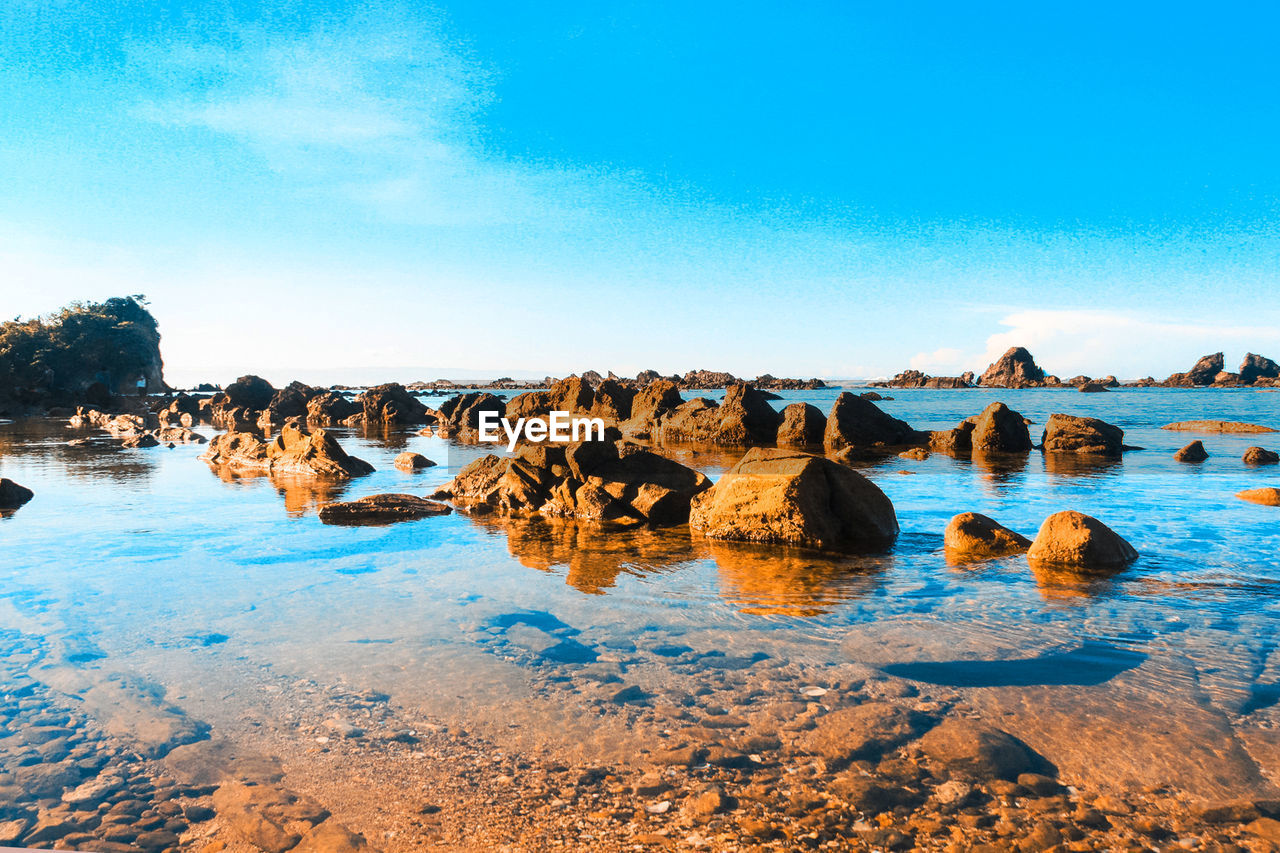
{"type": "Point", "coordinates": [115, 343]}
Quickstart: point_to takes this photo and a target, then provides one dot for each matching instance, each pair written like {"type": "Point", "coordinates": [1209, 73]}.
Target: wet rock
{"type": "Point", "coordinates": [1203, 373]}
{"type": "Point", "coordinates": [13, 830]}
{"type": "Point", "coordinates": [266, 816]}
{"type": "Point", "coordinates": [1000, 429]}
{"type": "Point", "coordinates": [294, 451]}
{"type": "Point", "coordinates": [862, 731]}
{"type": "Point", "coordinates": [13, 495]}
{"type": "Point", "coordinates": [1193, 452]}
{"type": "Point", "coordinates": [796, 499]}
{"type": "Point", "coordinates": [971, 535]}
{"type": "Point", "coordinates": [973, 751]}
{"type": "Point", "coordinates": [867, 794]}
{"type": "Point", "coordinates": [743, 417]}
{"type": "Point", "coordinates": [331, 837]}
{"type": "Point", "coordinates": [706, 803]}
{"type": "Point", "coordinates": [392, 404]}
{"type": "Point", "coordinates": [1260, 456]}
{"type": "Point", "coordinates": [1074, 539]}
{"type": "Point", "coordinates": [179, 435]}
{"type": "Point", "coordinates": [1015, 369]}
{"type": "Point", "coordinates": [411, 462]}
{"type": "Point", "coordinates": [1216, 426]}
{"type": "Point", "coordinates": [1267, 496]}
{"type": "Point", "coordinates": [855, 422]}
{"type": "Point", "coordinates": [381, 509]}
{"type": "Point", "coordinates": [1070, 434]}
{"type": "Point", "coordinates": [288, 402]}
{"type": "Point", "coordinates": [1092, 388]}
{"type": "Point", "coordinates": [462, 411]}
{"type": "Point", "coordinates": [140, 440]}
{"type": "Point", "coordinates": [803, 425]}
{"type": "Point", "coordinates": [331, 408]}
{"type": "Point", "coordinates": [919, 454]}
{"type": "Point", "coordinates": [953, 441]}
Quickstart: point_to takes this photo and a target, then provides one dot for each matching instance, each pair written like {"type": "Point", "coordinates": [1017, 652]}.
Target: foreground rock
{"type": "Point", "coordinates": [1000, 429]}
{"type": "Point", "coordinates": [792, 498]}
{"type": "Point", "coordinates": [1015, 369]}
{"type": "Point", "coordinates": [1260, 456]}
{"type": "Point", "coordinates": [857, 422]}
{"type": "Point", "coordinates": [1193, 452]}
{"type": "Point", "coordinates": [1267, 496]}
{"type": "Point", "coordinates": [13, 495]}
{"type": "Point", "coordinates": [381, 509]}
{"type": "Point", "coordinates": [1072, 538]}
{"type": "Point", "coordinates": [294, 451]}
{"type": "Point", "coordinates": [1070, 434]}
{"type": "Point", "coordinates": [409, 461]}
{"type": "Point", "coordinates": [1216, 426]}
{"type": "Point", "coordinates": [593, 480]}
{"type": "Point", "coordinates": [971, 535]}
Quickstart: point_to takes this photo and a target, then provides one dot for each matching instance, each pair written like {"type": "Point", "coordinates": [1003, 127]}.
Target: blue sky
{"type": "Point", "coordinates": [357, 191]}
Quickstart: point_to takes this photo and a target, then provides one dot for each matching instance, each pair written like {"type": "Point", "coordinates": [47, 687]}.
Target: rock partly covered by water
{"type": "Point", "coordinates": [974, 751]}
{"type": "Point", "coordinates": [743, 417]}
{"type": "Point", "coordinates": [381, 509]}
{"type": "Point", "coordinates": [1015, 369]}
{"type": "Point", "coordinates": [1203, 373]}
{"type": "Point", "coordinates": [1256, 367]}
{"type": "Point", "coordinates": [1260, 456]}
{"type": "Point", "coordinates": [461, 413]}
{"type": "Point", "coordinates": [794, 498]}
{"type": "Point", "coordinates": [392, 404]}
{"type": "Point", "coordinates": [410, 461]}
{"type": "Point", "coordinates": [1267, 496]}
{"type": "Point", "coordinates": [331, 408]}
{"type": "Point", "coordinates": [918, 379]}
{"type": "Point", "coordinates": [1072, 538]}
{"type": "Point", "coordinates": [13, 495]}
{"type": "Point", "coordinates": [803, 425]}
{"type": "Point", "coordinates": [592, 480]}
{"type": "Point", "coordinates": [294, 451]}
{"type": "Point", "coordinates": [971, 535]}
{"type": "Point", "coordinates": [1216, 426]}
{"type": "Point", "coordinates": [1071, 434]}
{"type": "Point", "coordinates": [1193, 452]}
{"type": "Point", "coordinates": [1000, 429]}
{"type": "Point", "coordinates": [857, 422]}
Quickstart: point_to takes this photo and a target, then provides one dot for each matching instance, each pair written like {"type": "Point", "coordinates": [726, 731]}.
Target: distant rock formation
{"type": "Point", "coordinates": [917, 379]}
{"type": "Point", "coordinates": [1256, 367]}
{"type": "Point", "coordinates": [1202, 374]}
{"type": "Point", "coordinates": [1015, 369]}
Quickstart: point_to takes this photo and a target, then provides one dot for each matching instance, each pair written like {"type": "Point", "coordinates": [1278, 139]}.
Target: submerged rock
{"type": "Point", "coordinates": [855, 422]}
{"type": "Point", "coordinates": [971, 535]}
{"type": "Point", "coordinates": [13, 495]}
{"type": "Point", "coordinates": [1216, 426]}
{"type": "Point", "coordinates": [794, 498]}
{"type": "Point", "coordinates": [1070, 434]}
{"type": "Point", "coordinates": [1260, 456]}
{"type": "Point", "coordinates": [381, 509]}
{"type": "Point", "coordinates": [1015, 369]}
{"type": "Point", "coordinates": [1000, 429]}
{"type": "Point", "coordinates": [409, 461]}
{"type": "Point", "coordinates": [1267, 496]}
{"type": "Point", "coordinates": [1072, 538]}
{"type": "Point", "coordinates": [1193, 452]}
{"type": "Point", "coordinates": [802, 425]}
{"type": "Point", "coordinates": [975, 751]}
{"type": "Point", "coordinates": [863, 731]}
{"type": "Point", "coordinates": [293, 451]}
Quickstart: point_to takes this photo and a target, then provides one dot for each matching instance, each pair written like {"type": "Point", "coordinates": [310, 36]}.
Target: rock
{"type": "Point", "coordinates": [1075, 539]}
{"type": "Point", "coordinates": [247, 392]}
{"type": "Point", "coordinates": [411, 462]}
{"type": "Point", "coordinates": [707, 380]}
{"type": "Point", "coordinates": [331, 408]}
{"type": "Point", "coordinates": [289, 402]}
{"type": "Point", "coordinates": [916, 379]}
{"type": "Point", "coordinates": [1070, 434]}
{"type": "Point", "coordinates": [953, 441]}
{"type": "Point", "coordinates": [1015, 369]}
{"type": "Point", "coordinates": [293, 451]}
{"type": "Point", "coordinates": [1092, 388]}
{"type": "Point", "coordinates": [710, 801]}
{"type": "Point", "coordinates": [1193, 452]}
{"type": "Point", "coordinates": [1223, 378]}
{"type": "Point", "coordinates": [1000, 429]}
{"type": "Point", "coordinates": [13, 830]}
{"type": "Point", "coordinates": [919, 454]}
{"type": "Point", "coordinates": [142, 439]}
{"type": "Point", "coordinates": [1260, 456]}
{"type": "Point", "coordinates": [654, 401]}
{"type": "Point", "coordinates": [794, 498]}
{"type": "Point", "coordinates": [13, 495]}
{"type": "Point", "coordinates": [1201, 374]}
{"type": "Point", "coordinates": [1216, 426]}
{"type": "Point", "coordinates": [975, 536]}
{"type": "Point", "coordinates": [803, 425]}
{"type": "Point", "coordinates": [973, 751]}
{"type": "Point", "coordinates": [744, 417]}
{"type": "Point", "coordinates": [462, 411]}
{"type": "Point", "coordinates": [393, 404]}
{"type": "Point", "coordinates": [179, 435]}
{"type": "Point", "coordinates": [331, 837]}
{"type": "Point", "coordinates": [266, 816]}
{"type": "Point", "coordinates": [381, 509]}
{"type": "Point", "coordinates": [1268, 496]}
{"type": "Point", "coordinates": [862, 731]}
{"type": "Point", "coordinates": [1255, 367]}
{"type": "Point", "coordinates": [855, 422]}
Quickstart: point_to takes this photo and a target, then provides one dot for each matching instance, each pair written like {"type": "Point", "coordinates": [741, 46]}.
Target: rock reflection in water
{"type": "Point", "coordinates": [1067, 583]}
{"type": "Point", "coordinates": [793, 581]}
{"type": "Point", "coordinates": [301, 494]}
{"type": "Point", "coordinates": [1082, 465]}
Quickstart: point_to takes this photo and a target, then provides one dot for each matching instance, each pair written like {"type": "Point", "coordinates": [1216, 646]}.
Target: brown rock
{"type": "Point", "coordinates": [974, 536]}
{"type": "Point", "coordinates": [331, 837]}
{"type": "Point", "coordinates": [1201, 374]}
{"type": "Point", "coordinates": [392, 404]}
{"type": "Point", "coordinates": [1267, 496]}
{"type": "Point", "coordinates": [1255, 367]}
{"type": "Point", "coordinates": [140, 439]}
{"type": "Point", "coordinates": [1216, 426]}
{"type": "Point", "coordinates": [1092, 388]}
{"type": "Point", "coordinates": [293, 451]}
{"type": "Point", "coordinates": [331, 408]}
{"type": "Point", "coordinates": [855, 422]}
{"type": "Point", "coordinates": [796, 499]}
{"type": "Point", "coordinates": [411, 462]}
{"type": "Point", "coordinates": [974, 751]}
{"type": "Point", "coordinates": [803, 425]}
{"type": "Point", "coordinates": [1193, 452]}
{"type": "Point", "coordinates": [862, 731]}
{"type": "Point", "coordinates": [381, 509]}
{"type": "Point", "coordinates": [1075, 539]}
{"type": "Point", "coordinates": [1070, 434]}
{"type": "Point", "coordinates": [13, 495]}
{"type": "Point", "coordinates": [1015, 369]}
{"type": "Point", "coordinates": [462, 411]}
{"type": "Point", "coordinates": [655, 400]}
{"type": "Point", "coordinates": [744, 417]}
{"type": "Point", "coordinates": [1260, 456]}
{"type": "Point", "coordinates": [1000, 429]}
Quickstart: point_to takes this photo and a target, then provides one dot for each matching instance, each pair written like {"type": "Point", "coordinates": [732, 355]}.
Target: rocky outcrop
{"type": "Point", "coordinates": [288, 402]}
{"type": "Point", "coordinates": [247, 392]}
{"type": "Point", "coordinates": [1074, 539]}
{"type": "Point", "coordinates": [792, 498]}
{"type": "Point", "coordinates": [958, 439]}
{"type": "Point", "coordinates": [13, 495]}
{"type": "Point", "coordinates": [973, 536]}
{"type": "Point", "coordinates": [707, 379]}
{"type": "Point", "coordinates": [411, 462]}
{"type": "Point", "coordinates": [855, 422]}
{"type": "Point", "coordinates": [461, 412]}
{"type": "Point", "coordinates": [381, 509]}
{"type": "Point", "coordinates": [1015, 369]}
{"type": "Point", "coordinates": [1255, 367]}
{"type": "Point", "coordinates": [1216, 426]}
{"type": "Point", "coordinates": [393, 404]}
{"type": "Point", "coordinates": [917, 379]}
{"type": "Point", "coordinates": [1000, 429]}
{"type": "Point", "coordinates": [1267, 496]}
{"type": "Point", "coordinates": [1260, 456]}
{"type": "Point", "coordinates": [591, 480]}
{"type": "Point", "coordinates": [294, 451]}
{"type": "Point", "coordinates": [744, 417]}
{"type": "Point", "coordinates": [331, 408]}
{"type": "Point", "coordinates": [1070, 434]}
{"type": "Point", "coordinates": [1092, 388]}
{"type": "Point", "coordinates": [1193, 452]}
{"type": "Point", "coordinates": [803, 425]}
{"type": "Point", "coordinates": [1202, 374]}
{"type": "Point", "coordinates": [654, 401]}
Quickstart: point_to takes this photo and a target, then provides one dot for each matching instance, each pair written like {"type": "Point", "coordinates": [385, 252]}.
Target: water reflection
{"type": "Point", "coordinates": [1000, 468]}
{"type": "Point", "coordinates": [794, 582]}
{"type": "Point", "coordinates": [1082, 464]}
{"type": "Point", "coordinates": [301, 494]}
{"type": "Point", "coordinates": [1065, 583]}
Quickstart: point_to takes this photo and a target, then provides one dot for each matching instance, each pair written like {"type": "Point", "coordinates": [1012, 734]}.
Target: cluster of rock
{"type": "Point", "coordinates": [1066, 538]}
{"type": "Point", "coordinates": [999, 429]}
{"type": "Point", "coordinates": [293, 452]}
{"type": "Point", "coordinates": [694, 379]}
{"type": "Point", "coordinates": [1210, 371]}
{"type": "Point", "coordinates": [132, 430]}
{"type": "Point", "coordinates": [1015, 369]}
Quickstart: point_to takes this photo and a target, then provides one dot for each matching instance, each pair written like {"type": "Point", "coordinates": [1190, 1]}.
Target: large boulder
{"type": "Point", "coordinates": [247, 392]}
{"type": "Point", "coordinates": [793, 498]}
{"type": "Point", "coordinates": [744, 417]}
{"type": "Point", "coordinates": [1000, 429]}
{"type": "Point", "coordinates": [803, 425]}
{"type": "Point", "coordinates": [330, 408]}
{"type": "Point", "coordinates": [612, 401]}
{"type": "Point", "coordinates": [289, 402]}
{"type": "Point", "coordinates": [958, 439]}
{"type": "Point", "coordinates": [1255, 367]}
{"type": "Point", "coordinates": [381, 509]}
{"type": "Point", "coordinates": [1261, 456]}
{"type": "Point", "coordinates": [1202, 374]}
{"type": "Point", "coordinates": [1072, 538]}
{"type": "Point", "coordinates": [13, 495]}
{"type": "Point", "coordinates": [855, 422]}
{"type": "Point", "coordinates": [1193, 452]}
{"type": "Point", "coordinates": [1015, 369]}
{"type": "Point", "coordinates": [1070, 434]}
{"type": "Point", "coordinates": [412, 462]}
{"type": "Point", "coordinates": [392, 404]}
{"type": "Point", "coordinates": [658, 398]}
{"type": "Point", "coordinates": [294, 451]}
{"type": "Point", "coordinates": [971, 535]}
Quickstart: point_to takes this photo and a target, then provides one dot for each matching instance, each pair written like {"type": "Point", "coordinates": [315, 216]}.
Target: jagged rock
{"type": "Point", "coordinates": [392, 404]}
{"type": "Point", "coordinates": [331, 408]}
{"type": "Point", "coordinates": [1203, 373]}
{"type": "Point", "coordinates": [657, 399]}
{"type": "Point", "coordinates": [855, 422]}
{"type": "Point", "coordinates": [744, 417]}
{"type": "Point", "coordinates": [183, 409]}
{"type": "Point", "coordinates": [1074, 539]}
{"type": "Point", "coordinates": [707, 380]}
{"type": "Point", "coordinates": [917, 379]}
{"type": "Point", "coordinates": [289, 402]}
{"type": "Point", "coordinates": [644, 377]}
{"type": "Point", "coordinates": [612, 401]}
{"type": "Point", "coordinates": [247, 392]}
{"type": "Point", "coordinates": [1193, 452]}
{"type": "Point", "coordinates": [1260, 456]}
{"type": "Point", "coordinates": [13, 495]}
{"type": "Point", "coordinates": [803, 425]}
{"type": "Point", "coordinates": [971, 535]}
{"type": "Point", "coordinates": [1255, 367]}
{"type": "Point", "coordinates": [1267, 496]}
{"type": "Point", "coordinates": [1216, 426]}
{"type": "Point", "coordinates": [462, 411]}
{"type": "Point", "coordinates": [381, 509]}
{"type": "Point", "coordinates": [1000, 429]}
{"type": "Point", "coordinates": [409, 461]}
{"type": "Point", "coordinates": [1015, 369]}
{"type": "Point", "coordinates": [1070, 434]}
{"type": "Point", "coordinates": [293, 451]}
{"type": "Point", "coordinates": [795, 499]}
{"type": "Point", "coordinates": [573, 395]}
{"type": "Point", "coordinates": [1224, 378]}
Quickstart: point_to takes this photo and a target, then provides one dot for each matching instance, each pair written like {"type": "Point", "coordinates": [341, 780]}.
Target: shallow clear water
{"type": "Point", "coordinates": [146, 559]}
